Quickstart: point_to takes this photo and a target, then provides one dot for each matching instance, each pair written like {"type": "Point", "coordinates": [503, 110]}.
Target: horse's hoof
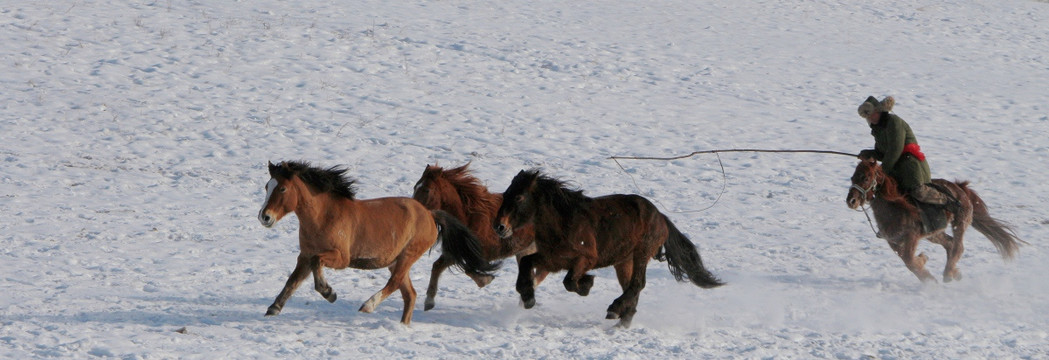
{"type": "Point", "coordinates": [331, 297]}
{"type": "Point", "coordinates": [428, 304]}
{"type": "Point", "coordinates": [482, 281]}
{"type": "Point", "coordinates": [528, 303]}
{"type": "Point", "coordinates": [273, 310]}
{"type": "Point", "coordinates": [612, 315]}
{"type": "Point", "coordinates": [624, 323]}
{"type": "Point", "coordinates": [585, 283]}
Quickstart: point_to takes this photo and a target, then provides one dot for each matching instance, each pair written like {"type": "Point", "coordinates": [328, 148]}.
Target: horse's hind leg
{"type": "Point", "coordinates": [955, 248]}
{"type": "Point", "coordinates": [399, 279]}
{"type": "Point", "coordinates": [408, 294]}
{"type": "Point", "coordinates": [442, 263]}
{"type": "Point", "coordinates": [624, 271]}
{"type": "Point", "coordinates": [916, 264]}
{"type": "Point", "coordinates": [302, 268]}
{"type": "Point", "coordinates": [625, 306]}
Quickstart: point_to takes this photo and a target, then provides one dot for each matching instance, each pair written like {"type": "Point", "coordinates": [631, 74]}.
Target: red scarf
{"type": "Point", "coordinates": [914, 150]}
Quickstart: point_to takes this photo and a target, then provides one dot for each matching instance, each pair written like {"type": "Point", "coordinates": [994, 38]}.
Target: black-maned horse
{"type": "Point", "coordinates": [577, 233]}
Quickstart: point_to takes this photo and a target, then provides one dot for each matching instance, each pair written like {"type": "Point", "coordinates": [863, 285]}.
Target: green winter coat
{"type": "Point", "coordinates": [891, 134]}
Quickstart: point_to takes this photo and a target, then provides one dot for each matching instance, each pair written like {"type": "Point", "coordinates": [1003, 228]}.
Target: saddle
{"type": "Point", "coordinates": [934, 216]}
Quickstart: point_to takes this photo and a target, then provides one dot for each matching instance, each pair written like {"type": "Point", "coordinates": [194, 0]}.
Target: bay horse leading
{"type": "Point", "coordinates": [338, 231]}
{"type": "Point", "coordinates": [461, 194]}
{"type": "Point", "coordinates": [577, 233]}
{"type": "Point", "coordinates": [900, 223]}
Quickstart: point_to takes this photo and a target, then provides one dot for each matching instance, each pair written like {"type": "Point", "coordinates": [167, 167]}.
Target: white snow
{"type": "Point", "coordinates": [135, 136]}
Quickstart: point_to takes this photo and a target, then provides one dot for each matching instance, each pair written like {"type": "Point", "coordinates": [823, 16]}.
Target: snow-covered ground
{"type": "Point", "coordinates": [134, 137]}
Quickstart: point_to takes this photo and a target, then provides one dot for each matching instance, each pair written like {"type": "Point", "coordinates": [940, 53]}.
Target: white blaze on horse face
{"type": "Point", "coordinates": [270, 187]}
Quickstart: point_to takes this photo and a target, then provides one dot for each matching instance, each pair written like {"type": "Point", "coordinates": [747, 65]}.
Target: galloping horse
{"type": "Point", "coordinates": [577, 233]}
{"type": "Point", "coordinates": [338, 231]}
{"type": "Point", "coordinates": [899, 222]}
{"type": "Point", "coordinates": [461, 194]}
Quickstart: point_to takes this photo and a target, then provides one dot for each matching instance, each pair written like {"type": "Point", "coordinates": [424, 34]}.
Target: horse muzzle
{"type": "Point", "coordinates": [503, 231]}
{"type": "Point", "coordinates": [266, 219]}
{"type": "Point", "coordinates": [853, 202]}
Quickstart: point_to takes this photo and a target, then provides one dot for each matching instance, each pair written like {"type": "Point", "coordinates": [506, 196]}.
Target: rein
{"type": "Point", "coordinates": [865, 206]}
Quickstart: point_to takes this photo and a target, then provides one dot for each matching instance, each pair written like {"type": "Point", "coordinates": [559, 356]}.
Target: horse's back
{"type": "Point", "coordinates": [396, 221]}
{"type": "Point", "coordinates": [627, 223]}
{"type": "Point", "coordinates": [633, 206]}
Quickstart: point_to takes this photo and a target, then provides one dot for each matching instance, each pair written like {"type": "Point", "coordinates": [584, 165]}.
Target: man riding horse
{"type": "Point", "coordinates": [897, 148]}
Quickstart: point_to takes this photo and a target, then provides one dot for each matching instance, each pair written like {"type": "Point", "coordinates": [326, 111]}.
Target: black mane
{"type": "Point", "coordinates": [565, 199]}
{"type": "Point", "coordinates": [331, 180]}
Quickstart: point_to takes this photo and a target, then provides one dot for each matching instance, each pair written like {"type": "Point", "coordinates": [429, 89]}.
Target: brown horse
{"type": "Point", "coordinates": [900, 223]}
{"type": "Point", "coordinates": [577, 233]}
{"type": "Point", "coordinates": [461, 194]}
{"type": "Point", "coordinates": [338, 231]}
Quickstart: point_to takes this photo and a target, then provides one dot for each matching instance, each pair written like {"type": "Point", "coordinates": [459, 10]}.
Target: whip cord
{"type": "Point", "coordinates": [724, 177]}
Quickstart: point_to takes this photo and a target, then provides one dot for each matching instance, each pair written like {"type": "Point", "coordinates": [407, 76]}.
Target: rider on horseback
{"type": "Point", "coordinates": [901, 157]}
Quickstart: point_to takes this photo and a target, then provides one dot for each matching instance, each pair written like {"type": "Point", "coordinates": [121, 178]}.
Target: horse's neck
{"type": "Point", "coordinates": [314, 211]}
{"type": "Point", "coordinates": [888, 190]}
{"type": "Point", "coordinates": [454, 204]}
{"type": "Point", "coordinates": [476, 203]}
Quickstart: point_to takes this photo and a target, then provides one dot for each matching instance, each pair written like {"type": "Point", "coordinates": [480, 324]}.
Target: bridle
{"type": "Point", "coordinates": [863, 192]}
{"type": "Point", "coordinates": [869, 190]}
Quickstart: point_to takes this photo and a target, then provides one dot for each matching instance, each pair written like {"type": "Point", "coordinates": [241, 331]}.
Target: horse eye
{"type": "Point", "coordinates": [520, 198]}
{"type": "Point", "coordinates": [283, 188]}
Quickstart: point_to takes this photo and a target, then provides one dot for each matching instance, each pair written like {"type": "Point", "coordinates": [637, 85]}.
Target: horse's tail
{"type": "Point", "coordinates": [1001, 234]}
{"type": "Point", "coordinates": [684, 261]}
{"type": "Point", "coordinates": [460, 244]}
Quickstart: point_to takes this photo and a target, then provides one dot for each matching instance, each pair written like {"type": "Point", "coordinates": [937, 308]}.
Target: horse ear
{"type": "Point", "coordinates": [272, 168]}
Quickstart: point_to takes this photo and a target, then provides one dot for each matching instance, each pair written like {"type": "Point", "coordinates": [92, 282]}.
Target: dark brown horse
{"type": "Point", "coordinates": [461, 194]}
{"type": "Point", "coordinates": [900, 224]}
{"type": "Point", "coordinates": [577, 233]}
{"type": "Point", "coordinates": [338, 231]}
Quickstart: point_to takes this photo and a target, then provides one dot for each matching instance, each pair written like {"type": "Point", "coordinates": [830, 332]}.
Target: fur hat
{"type": "Point", "coordinates": [872, 105]}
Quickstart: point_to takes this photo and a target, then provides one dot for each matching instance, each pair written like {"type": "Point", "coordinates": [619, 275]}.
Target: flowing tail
{"type": "Point", "coordinates": [461, 245]}
{"type": "Point", "coordinates": [684, 261]}
{"type": "Point", "coordinates": [1001, 234]}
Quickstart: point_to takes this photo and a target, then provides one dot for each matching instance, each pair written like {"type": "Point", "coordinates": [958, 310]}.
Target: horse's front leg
{"type": "Point", "coordinates": [319, 283]}
{"type": "Point", "coordinates": [577, 280]}
{"type": "Point", "coordinates": [525, 280]}
{"type": "Point", "coordinates": [539, 274]}
{"type": "Point", "coordinates": [916, 264]}
{"type": "Point", "coordinates": [302, 269]}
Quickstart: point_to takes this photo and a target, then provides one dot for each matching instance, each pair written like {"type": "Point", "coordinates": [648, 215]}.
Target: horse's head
{"type": "Point", "coordinates": [865, 181]}
{"type": "Point", "coordinates": [519, 204]}
{"type": "Point", "coordinates": [280, 194]}
{"type": "Point", "coordinates": [428, 189]}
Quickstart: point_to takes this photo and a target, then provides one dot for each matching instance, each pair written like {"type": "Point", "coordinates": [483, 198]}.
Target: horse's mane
{"type": "Point", "coordinates": [331, 180]}
{"type": "Point", "coordinates": [474, 195]}
{"type": "Point", "coordinates": [889, 189]}
{"type": "Point", "coordinates": [566, 200]}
